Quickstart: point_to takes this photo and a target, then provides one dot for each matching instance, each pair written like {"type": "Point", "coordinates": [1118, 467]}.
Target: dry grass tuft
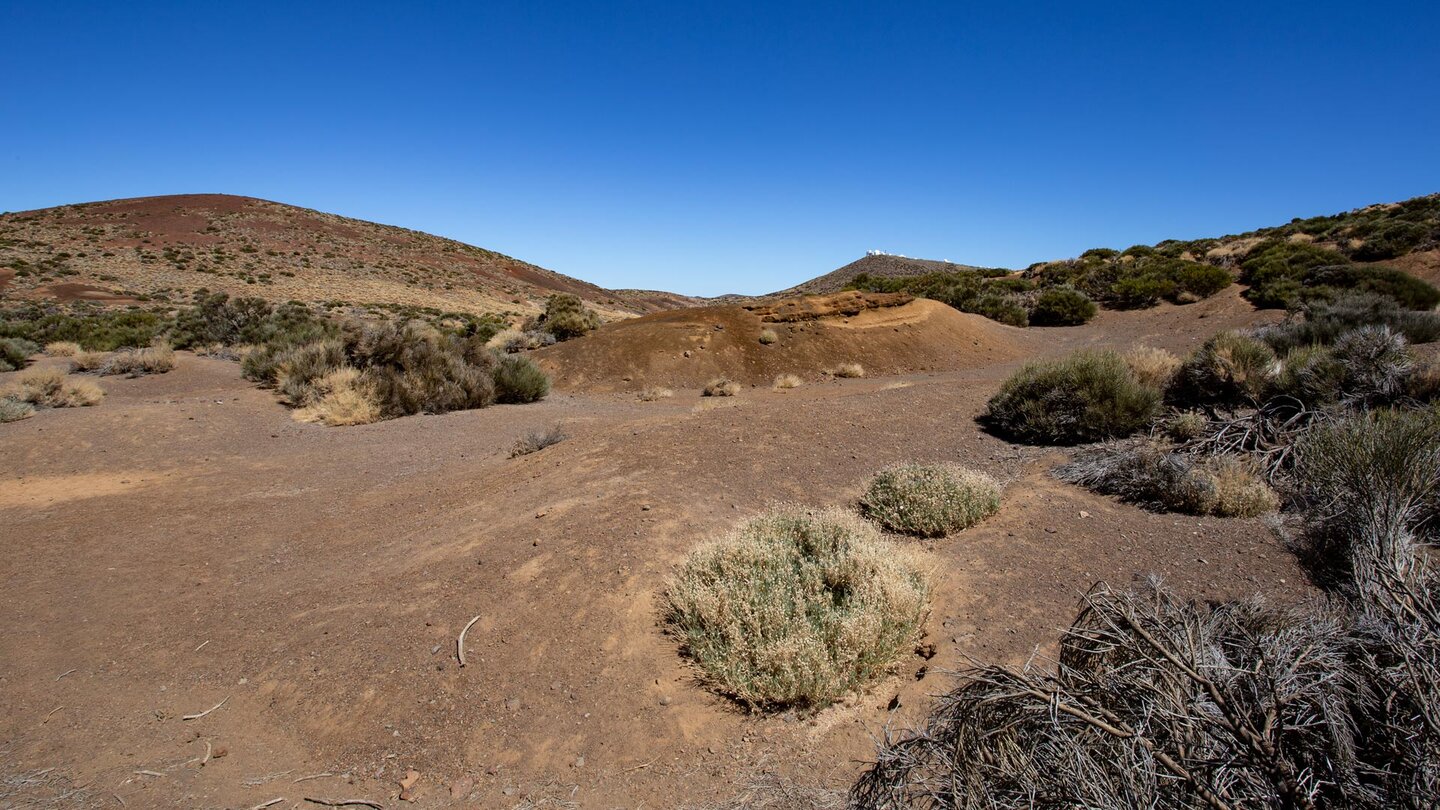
{"type": "Point", "coordinates": [848, 370]}
{"type": "Point", "coordinates": [341, 397]}
{"type": "Point", "coordinates": [930, 500]}
{"type": "Point", "coordinates": [157, 359]}
{"type": "Point", "coordinates": [50, 388]}
{"type": "Point", "coordinates": [13, 410]}
{"type": "Point", "coordinates": [1239, 489]}
{"type": "Point", "coordinates": [786, 381]}
{"type": "Point", "coordinates": [1186, 426]}
{"type": "Point", "coordinates": [720, 387]}
{"type": "Point", "coordinates": [1151, 366]}
{"type": "Point", "coordinates": [654, 392]}
{"type": "Point", "coordinates": [768, 336]}
{"type": "Point", "coordinates": [797, 607]}
{"type": "Point", "coordinates": [88, 361]}
{"type": "Point", "coordinates": [536, 440]}
{"type": "Point", "coordinates": [62, 348]}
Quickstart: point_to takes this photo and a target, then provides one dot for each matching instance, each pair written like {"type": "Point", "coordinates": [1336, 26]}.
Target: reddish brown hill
{"type": "Point", "coordinates": [169, 246]}
{"type": "Point", "coordinates": [884, 265]}
{"type": "Point", "coordinates": [887, 334]}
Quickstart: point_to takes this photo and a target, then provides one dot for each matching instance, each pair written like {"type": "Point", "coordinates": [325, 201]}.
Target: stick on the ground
{"type": "Point", "coordinates": [206, 760]}
{"type": "Point", "coordinates": [313, 776]}
{"type": "Point", "coordinates": [51, 714]}
{"type": "Point", "coordinates": [197, 649]}
{"type": "Point", "coordinates": [346, 803]}
{"type": "Point", "coordinates": [63, 674]}
{"type": "Point", "coordinates": [263, 805]}
{"type": "Point", "coordinates": [460, 642]}
{"type": "Point", "coordinates": [150, 773]}
{"type": "Point", "coordinates": [207, 711]}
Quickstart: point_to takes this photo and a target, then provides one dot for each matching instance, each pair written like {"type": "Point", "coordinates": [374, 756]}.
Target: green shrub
{"type": "Point", "coordinates": [519, 380]}
{"type": "Point", "coordinates": [90, 326]}
{"type": "Point", "coordinates": [1062, 306]}
{"type": "Point", "coordinates": [1005, 309]}
{"type": "Point", "coordinates": [1406, 290]}
{"type": "Point", "coordinates": [16, 352]}
{"type": "Point", "coordinates": [1230, 368]}
{"type": "Point", "coordinates": [1323, 322]}
{"type": "Point", "coordinates": [797, 608]}
{"type": "Point", "coordinates": [1143, 474]}
{"type": "Point", "coordinates": [566, 316]}
{"type": "Point", "coordinates": [1278, 260]}
{"type": "Point", "coordinates": [1376, 365]}
{"type": "Point", "coordinates": [1084, 397]}
{"type": "Point", "coordinates": [1137, 291]}
{"type": "Point", "coordinates": [13, 410]}
{"type": "Point", "coordinates": [298, 368]}
{"type": "Point", "coordinates": [1312, 375]}
{"type": "Point", "coordinates": [930, 500]}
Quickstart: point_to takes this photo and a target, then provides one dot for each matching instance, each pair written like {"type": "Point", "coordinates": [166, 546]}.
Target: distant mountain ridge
{"type": "Point", "coordinates": [166, 247]}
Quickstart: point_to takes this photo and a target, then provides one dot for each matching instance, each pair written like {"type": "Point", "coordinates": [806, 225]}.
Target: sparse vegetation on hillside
{"type": "Point", "coordinates": [797, 608]}
{"type": "Point", "coordinates": [566, 316]}
{"type": "Point", "coordinates": [1085, 397]}
{"type": "Point", "coordinates": [1289, 274]}
{"type": "Point", "coordinates": [929, 500]}
{"type": "Point", "coordinates": [89, 326]}
{"type": "Point", "coordinates": [995, 294]}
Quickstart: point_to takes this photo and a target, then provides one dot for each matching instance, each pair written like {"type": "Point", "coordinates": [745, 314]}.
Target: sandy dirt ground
{"type": "Point", "coordinates": [185, 546]}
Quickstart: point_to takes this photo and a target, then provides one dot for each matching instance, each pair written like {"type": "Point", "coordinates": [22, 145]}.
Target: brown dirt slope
{"type": "Point", "coordinates": [685, 348]}
{"type": "Point", "coordinates": [170, 246]}
{"type": "Point", "coordinates": [884, 265]}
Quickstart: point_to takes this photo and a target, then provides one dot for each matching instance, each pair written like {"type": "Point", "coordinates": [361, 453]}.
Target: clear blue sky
{"type": "Point", "coordinates": [733, 146]}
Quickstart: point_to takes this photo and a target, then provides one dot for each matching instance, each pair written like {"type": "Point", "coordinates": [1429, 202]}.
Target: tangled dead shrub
{"type": "Point", "coordinates": [720, 387]}
{"type": "Point", "coordinates": [1144, 474]}
{"type": "Point", "coordinates": [1160, 702]}
{"type": "Point", "coordinates": [797, 608]}
{"type": "Point", "coordinates": [49, 388]}
{"type": "Point", "coordinates": [1085, 397]}
{"type": "Point", "coordinates": [930, 500]}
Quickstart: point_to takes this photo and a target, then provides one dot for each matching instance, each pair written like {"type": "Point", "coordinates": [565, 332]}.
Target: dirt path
{"type": "Point", "coordinates": [186, 543]}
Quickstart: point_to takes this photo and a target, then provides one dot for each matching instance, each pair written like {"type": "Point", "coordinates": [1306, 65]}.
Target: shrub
{"type": "Point", "coordinates": [341, 397]}
{"type": "Point", "coordinates": [536, 440]}
{"type": "Point", "coordinates": [62, 348]}
{"type": "Point", "coordinates": [1084, 397]}
{"type": "Point", "coordinates": [768, 336]}
{"type": "Point", "coordinates": [1006, 309]}
{"type": "Point", "coordinates": [848, 370]}
{"type": "Point", "coordinates": [1404, 289]}
{"type": "Point", "coordinates": [1312, 375]}
{"type": "Point", "coordinates": [518, 380]}
{"type": "Point", "coordinates": [1323, 322]}
{"type": "Point", "coordinates": [720, 387]}
{"type": "Point", "coordinates": [1062, 306]}
{"type": "Point", "coordinates": [50, 388]}
{"type": "Point", "coordinates": [930, 500]}
{"type": "Point", "coordinates": [1186, 426]}
{"type": "Point", "coordinates": [797, 608]}
{"type": "Point", "coordinates": [566, 316]}
{"type": "Point", "coordinates": [1152, 366]}
{"type": "Point", "coordinates": [1230, 368]}
{"type": "Point", "coordinates": [1278, 261]}
{"type": "Point", "coordinates": [1135, 292]}
{"type": "Point", "coordinates": [1375, 364]}
{"type": "Point", "coordinates": [13, 410]}
{"type": "Point", "coordinates": [157, 359]}
{"type": "Point", "coordinates": [298, 369]}
{"type": "Point", "coordinates": [15, 353]}
{"type": "Point", "coordinates": [92, 328]}
{"type": "Point", "coordinates": [88, 361]}
{"type": "Point", "coordinates": [786, 381]}
{"type": "Point", "coordinates": [652, 393]}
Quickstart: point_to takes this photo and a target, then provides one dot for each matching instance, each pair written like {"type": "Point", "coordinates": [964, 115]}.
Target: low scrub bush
{"type": "Point", "coordinates": [1229, 369]}
{"type": "Point", "coordinates": [519, 381]}
{"type": "Point", "coordinates": [787, 381]}
{"type": "Point", "coordinates": [1062, 306]}
{"type": "Point", "coordinates": [1003, 308]}
{"type": "Point", "coordinates": [655, 392]}
{"type": "Point", "coordinates": [566, 317]}
{"type": "Point", "coordinates": [90, 326]}
{"type": "Point", "coordinates": [88, 361]}
{"type": "Point", "coordinates": [1085, 397]}
{"type": "Point", "coordinates": [50, 388]}
{"type": "Point", "coordinates": [1312, 375]}
{"type": "Point", "coordinates": [16, 352]}
{"type": "Point", "coordinates": [157, 359]}
{"type": "Point", "coordinates": [13, 410]}
{"type": "Point", "coordinates": [930, 500]}
{"type": "Point", "coordinates": [1323, 322]}
{"type": "Point", "coordinates": [720, 387]}
{"type": "Point", "coordinates": [1375, 363]}
{"type": "Point", "coordinates": [797, 608]}
{"type": "Point", "coordinates": [768, 337]}
{"type": "Point", "coordinates": [1239, 489]}
{"type": "Point", "coordinates": [1143, 474]}
{"type": "Point", "coordinates": [848, 370]}
{"type": "Point", "coordinates": [342, 396]}
{"type": "Point", "coordinates": [1186, 426]}
{"type": "Point", "coordinates": [62, 348]}
{"type": "Point", "coordinates": [536, 440]}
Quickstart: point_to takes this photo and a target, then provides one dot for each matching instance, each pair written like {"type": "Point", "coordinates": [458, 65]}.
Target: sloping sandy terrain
{"type": "Point", "coordinates": [186, 543]}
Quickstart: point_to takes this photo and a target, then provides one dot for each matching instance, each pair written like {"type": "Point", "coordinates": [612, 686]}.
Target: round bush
{"type": "Point", "coordinates": [1062, 306]}
{"type": "Point", "coordinates": [1085, 397]}
{"type": "Point", "coordinates": [1230, 368]}
{"type": "Point", "coordinates": [519, 380]}
{"type": "Point", "coordinates": [797, 608]}
{"type": "Point", "coordinates": [930, 500]}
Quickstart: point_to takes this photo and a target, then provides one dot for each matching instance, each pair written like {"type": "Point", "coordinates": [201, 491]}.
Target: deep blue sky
{"type": "Point", "coordinates": [733, 146]}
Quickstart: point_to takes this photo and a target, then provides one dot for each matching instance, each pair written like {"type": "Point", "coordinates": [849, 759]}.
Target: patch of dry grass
{"type": "Point", "coordinates": [930, 500]}
{"type": "Point", "coordinates": [768, 336]}
{"type": "Point", "coordinates": [48, 387]}
{"type": "Point", "coordinates": [720, 387]}
{"type": "Point", "coordinates": [157, 359]}
{"type": "Point", "coordinates": [88, 361]}
{"type": "Point", "coordinates": [797, 607]}
{"type": "Point", "coordinates": [62, 348]}
{"type": "Point", "coordinates": [786, 381]}
{"type": "Point", "coordinates": [1239, 489]}
{"type": "Point", "coordinates": [1152, 366]}
{"type": "Point", "coordinates": [13, 410]}
{"type": "Point", "coordinates": [341, 397]}
{"type": "Point", "coordinates": [536, 440]}
{"type": "Point", "coordinates": [654, 392]}
{"type": "Point", "coordinates": [848, 370]}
